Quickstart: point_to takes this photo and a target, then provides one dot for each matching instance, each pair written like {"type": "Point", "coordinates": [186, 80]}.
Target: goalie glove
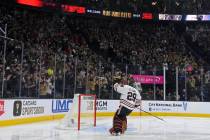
{"type": "Point", "coordinates": [115, 86]}
{"type": "Point", "coordinates": [136, 106]}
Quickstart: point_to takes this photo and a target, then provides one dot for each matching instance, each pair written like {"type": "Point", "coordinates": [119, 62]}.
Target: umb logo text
{"type": "Point", "coordinates": [1, 107]}
{"type": "Point", "coordinates": [60, 105]}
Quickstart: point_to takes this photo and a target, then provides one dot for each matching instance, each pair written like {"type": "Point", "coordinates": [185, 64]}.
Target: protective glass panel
{"type": "Point", "coordinates": [13, 68]}
{"type": "Point", "coordinates": [30, 66]}
{"type": "Point", "coordinates": [60, 68]}
{"type": "Point", "coordinates": [171, 84]}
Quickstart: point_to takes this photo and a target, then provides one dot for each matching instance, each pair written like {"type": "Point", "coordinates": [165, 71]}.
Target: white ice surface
{"type": "Point", "coordinates": [145, 128]}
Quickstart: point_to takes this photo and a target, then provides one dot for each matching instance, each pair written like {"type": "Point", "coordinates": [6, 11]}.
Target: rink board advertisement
{"type": "Point", "coordinates": [61, 106]}
{"type": "Point", "coordinates": [27, 108]}
{"type": "Point", "coordinates": [20, 111]}
{"type": "Point", "coordinates": [162, 108]}
{"type": "Point", "coordinates": [24, 108]}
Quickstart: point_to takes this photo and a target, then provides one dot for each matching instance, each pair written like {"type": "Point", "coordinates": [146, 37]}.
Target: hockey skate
{"type": "Point", "coordinates": [113, 133]}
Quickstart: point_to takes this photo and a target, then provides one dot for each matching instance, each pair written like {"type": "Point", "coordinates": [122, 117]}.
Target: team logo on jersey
{"type": "Point", "coordinates": [17, 108]}
{"type": "Point", "coordinates": [1, 107]}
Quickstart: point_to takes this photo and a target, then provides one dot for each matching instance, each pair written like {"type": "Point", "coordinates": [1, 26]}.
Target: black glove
{"type": "Point", "coordinates": [137, 106]}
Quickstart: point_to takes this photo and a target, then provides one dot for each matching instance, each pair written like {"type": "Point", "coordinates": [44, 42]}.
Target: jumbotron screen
{"type": "Point", "coordinates": [70, 8]}
{"type": "Point", "coordinates": [65, 6]}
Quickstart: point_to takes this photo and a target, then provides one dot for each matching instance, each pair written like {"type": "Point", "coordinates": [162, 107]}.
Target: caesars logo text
{"type": "Point", "coordinates": [1, 108]}
{"type": "Point", "coordinates": [26, 108]}
{"type": "Point", "coordinates": [17, 108]}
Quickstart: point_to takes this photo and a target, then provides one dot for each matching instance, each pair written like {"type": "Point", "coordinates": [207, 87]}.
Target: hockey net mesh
{"type": "Point", "coordinates": [82, 113]}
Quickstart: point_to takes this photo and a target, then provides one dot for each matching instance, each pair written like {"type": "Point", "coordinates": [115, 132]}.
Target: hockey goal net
{"type": "Point", "coordinates": [82, 113]}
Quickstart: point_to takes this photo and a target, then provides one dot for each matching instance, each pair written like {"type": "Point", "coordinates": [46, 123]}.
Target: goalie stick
{"type": "Point", "coordinates": [153, 115]}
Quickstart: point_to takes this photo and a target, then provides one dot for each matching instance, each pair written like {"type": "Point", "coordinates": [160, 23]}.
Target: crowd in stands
{"type": "Point", "coordinates": [59, 55]}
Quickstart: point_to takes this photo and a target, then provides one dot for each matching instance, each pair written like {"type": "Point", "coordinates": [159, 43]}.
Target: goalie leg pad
{"type": "Point", "coordinates": [124, 124]}
{"type": "Point", "coordinates": [117, 124]}
{"type": "Point", "coordinates": [120, 120]}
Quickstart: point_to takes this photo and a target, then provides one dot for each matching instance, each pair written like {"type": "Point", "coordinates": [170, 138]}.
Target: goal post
{"type": "Point", "coordinates": [86, 108]}
{"type": "Point", "coordinates": [82, 113]}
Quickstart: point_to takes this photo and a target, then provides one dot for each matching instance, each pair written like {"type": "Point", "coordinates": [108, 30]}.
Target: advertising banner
{"type": "Point", "coordinates": [73, 9]}
{"type": "Point", "coordinates": [148, 79]}
{"type": "Point", "coordinates": [204, 17]}
{"type": "Point", "coordinates": [24, 108]}
{"type": "Point", "coordinates": [93, 11]}
{"type": "Point", "coordinates": [170, 17]}
{"type": "Point", "coordinates": [107, 105]}
{"type": "Point", "coordinates": [164, 106]}
{"type": "Point", "coordinates": [147, 16]}
{"type": "Point", "coordinates": [28, 108]}
{"type": "Point", "coordinates": [191, 18]}
{"type": "Point", "coordinates": [61, 105]}
{"type": "Point", "coordinates": [1, 107]}
{"type": "Point", "coordinates": [197, 17]}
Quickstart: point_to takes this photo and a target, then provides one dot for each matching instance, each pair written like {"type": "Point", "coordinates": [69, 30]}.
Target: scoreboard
{"type": "Point", "coordinates": [68, 6]}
